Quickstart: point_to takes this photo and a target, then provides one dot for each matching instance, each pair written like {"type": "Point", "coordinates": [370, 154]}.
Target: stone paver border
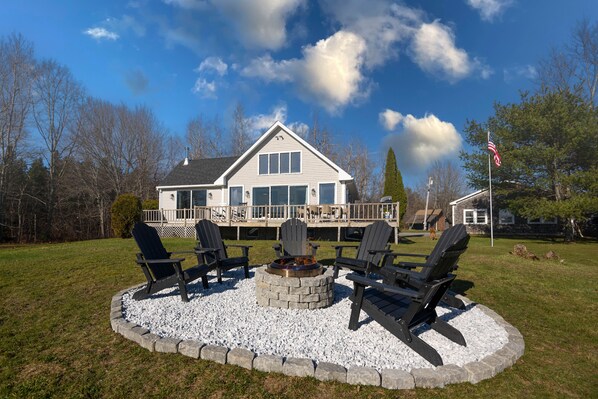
{"type": "Point", "coordinates": [438, 377]}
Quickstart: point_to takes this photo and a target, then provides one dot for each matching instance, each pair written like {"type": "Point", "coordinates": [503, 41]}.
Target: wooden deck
{"type": "Point", "coordinates": [181, 222]}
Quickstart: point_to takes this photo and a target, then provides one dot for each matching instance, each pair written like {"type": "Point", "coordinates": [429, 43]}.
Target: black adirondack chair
{"type": "Point", "coordinates": [401, 310]}
{"type": "Point", "coordinates": [160, 270]}
{"type": "Point", "coordinates": [369, 252]}
{"type": "Point", "coordinates": [212, 250]}
{"type": "Point", "coordinates": [293, 240]}
{"type": "Point", "coordinates": [414, 278]}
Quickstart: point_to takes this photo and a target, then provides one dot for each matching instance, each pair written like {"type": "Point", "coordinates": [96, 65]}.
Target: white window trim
{"type": "Point", "coordinates": [279, 173]}
{"type": "Point", "coordinates": [326, 182]}
{"type": "Point", "coordinates": [509, 213]}
{"type": "Point", "coordinates": [475, 216]}
{"type": "Point", "coordinates": [235, 186]}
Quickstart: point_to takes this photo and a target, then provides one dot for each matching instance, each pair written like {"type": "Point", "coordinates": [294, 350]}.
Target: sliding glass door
{"type": "Point", "coordinates": [279, 198]}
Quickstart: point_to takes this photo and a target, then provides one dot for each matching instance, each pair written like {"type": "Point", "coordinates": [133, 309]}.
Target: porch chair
{"type": "Point", "coordinates": [369, 252]}
{"type": "Point", "coordinates": [160, 270]}
{"type": "Point", "coordinates": [293, 240]}
{"type": "Point", "coordinates": [212, 250]}
{"type": "Point", "coordinates": [407, 276]}
{"type": "Point", "coordinates": [402, 309]}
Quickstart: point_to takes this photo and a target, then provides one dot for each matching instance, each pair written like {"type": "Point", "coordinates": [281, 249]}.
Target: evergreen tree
{"type": "Point", "coordinates": [393, 183]}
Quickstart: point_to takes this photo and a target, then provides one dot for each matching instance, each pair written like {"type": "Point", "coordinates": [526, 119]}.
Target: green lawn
{"type": "Point", "coordinates": [56, 340]}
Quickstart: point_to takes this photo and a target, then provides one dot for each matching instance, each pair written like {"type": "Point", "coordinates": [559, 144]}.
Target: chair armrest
{"type": "Point", "coordinates": [159, 261]}
{"type": "Point", "coordinates": [410, 265]}
{"type": "Point", "coordinates": [182, 252]}
{"type": "Point", "coordinates": [412, 255]}
{"type": "Point", "coordinates": [278, 249]}
{"type": "Point", "coordinates": [383, 287]}
{"type": "Point", "coordinates": [314, 245]}
{"type": "Point", "coordinates": [398, 273]}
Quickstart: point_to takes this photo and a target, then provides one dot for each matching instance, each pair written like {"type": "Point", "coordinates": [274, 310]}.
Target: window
{"type": "Point", "coordinates": [276, 163]}
{"type": "Point", "coordinates": [542, 221]}
{"type": "Point", "coordinates": [263, 167]}
{"type": "Point", "coordinates": [295, 162]}
{"type": "Point", "coordinates": [284, 162]}
{"type": "Point", "coordinates": [327, 193]}
{"type": "Point", "coordinates": [505, 217]}
{"type": "Point", "coordinates": [198, 197]}
{"type": "Point", "coordinates": [183, 199]}
{"type": "Point", "coordinates": [475, 216]}
{"type": "Point", "coordinates": [236, 196]}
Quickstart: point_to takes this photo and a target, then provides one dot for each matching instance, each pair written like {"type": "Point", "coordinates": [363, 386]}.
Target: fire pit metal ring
{"type": "Point", "coordinates": [295, 266]}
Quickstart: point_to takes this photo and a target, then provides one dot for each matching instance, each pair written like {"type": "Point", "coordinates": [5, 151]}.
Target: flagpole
{"type": "Point", "coordinates": [490, 186]}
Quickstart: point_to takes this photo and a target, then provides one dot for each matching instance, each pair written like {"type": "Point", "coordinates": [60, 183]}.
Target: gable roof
{"type": "Point", "coordinates": [432, 213]}
{"type": "Point", "coordinates": [468, 196]}
{"type": "Point", "coordinates": [344, 176]}
{"type": "Point", "coordinates": [198, 172]}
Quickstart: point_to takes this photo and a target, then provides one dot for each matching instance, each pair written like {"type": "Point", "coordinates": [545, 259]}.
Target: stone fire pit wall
{"type": "Point", "coordinates": [294, 292]}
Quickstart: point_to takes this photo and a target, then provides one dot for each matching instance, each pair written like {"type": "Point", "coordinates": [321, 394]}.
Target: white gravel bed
{"type": "Point", "coordinates": [227, 315]}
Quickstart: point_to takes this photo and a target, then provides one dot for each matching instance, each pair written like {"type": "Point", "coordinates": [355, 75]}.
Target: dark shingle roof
{"type": "Point", "coordinates": [199, 171]}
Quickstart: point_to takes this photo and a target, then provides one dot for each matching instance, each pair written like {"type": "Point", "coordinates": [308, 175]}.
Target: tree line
{"type": "Point", "coordinates": [65, 156]}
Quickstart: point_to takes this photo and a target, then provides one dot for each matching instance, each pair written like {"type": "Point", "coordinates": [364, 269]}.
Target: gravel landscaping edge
{"type": "Point", "coordinates": [437, 377]}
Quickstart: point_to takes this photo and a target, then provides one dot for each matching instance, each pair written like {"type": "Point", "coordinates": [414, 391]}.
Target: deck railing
{"type": "Point", "coordinates": [264, 214]}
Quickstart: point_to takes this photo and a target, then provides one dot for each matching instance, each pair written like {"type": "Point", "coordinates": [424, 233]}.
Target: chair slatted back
{"type": "Point", "coordinates": [446, 253]}
{"type": "Point", "coordinates": [293, 234]}
{"type": "Point", "coordinates": [375, 237]}
{"type": "Point", "coordinates": [209, 236]}
{"type": "Point", "coordinates": [449, 237]}
{"type": "Point", "coordinates": [151, 247]}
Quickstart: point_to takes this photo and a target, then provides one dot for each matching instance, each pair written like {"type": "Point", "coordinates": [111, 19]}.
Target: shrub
{"type": "Point", "coordinates": [125, 211]}
{"type": "Point", "coordinates": [150, 204]}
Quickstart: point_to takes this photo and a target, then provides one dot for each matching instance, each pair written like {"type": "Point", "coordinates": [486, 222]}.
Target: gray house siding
{"type": "Point", "coordinates": [474, 212]}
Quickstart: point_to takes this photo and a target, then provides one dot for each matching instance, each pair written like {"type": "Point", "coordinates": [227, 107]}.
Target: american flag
{"type": "Point", "coordinates": [492, 147]}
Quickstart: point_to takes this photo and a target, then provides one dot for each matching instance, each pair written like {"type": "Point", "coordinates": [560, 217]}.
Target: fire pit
{"type": "Point", "coordinates": [295, 266]}
{"type": "Point", "coordinates": [294, 282]}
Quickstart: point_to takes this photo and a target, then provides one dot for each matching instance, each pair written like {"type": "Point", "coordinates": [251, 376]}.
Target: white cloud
{"type": "Point", "coordinates": [300, 128]}
{"type": "Point", "coordinates": [213, 63]}
{"type": "Point", "coordinates": [435, 52]}
{"type": "Point", "coordinates": [382, 24]}
{"type": "Point", "coordinates": [204, 88]}
{"type": "Point", "coordinates": [261, 122]}
{"type": "Point", "coordinates": [260, 23]}
{"type": "Point", "coordinates": [390, 119]}
{"type": "Point", "coordinates": [489, 9]}
{"type": "Point", "coordinates": [101, 33]}
{"type": "Point", "coordinates": [421, 141]}
{"type": "Point", "coordinates": [522, 72]}
{"type": "Point", "coordinates": [330, 72]}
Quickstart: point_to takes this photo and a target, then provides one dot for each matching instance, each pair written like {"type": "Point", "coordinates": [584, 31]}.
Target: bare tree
{"type": "Point", "coordinates": [56, 105]}
{"type": "Point", "coordinates": [205, 138]}
{"type": "Point", "coordinates": [449, 184]}
{"type": "Point", "coordinates": [321, 139]}
{"type": "Point", "coordinates": [356, 160]}
{"type": "Point", "coordinates": [574, 67]}
{"type": "Point", "coordinates": [240, 131]}
{"type": "Point", "coordinates": [16, 74]}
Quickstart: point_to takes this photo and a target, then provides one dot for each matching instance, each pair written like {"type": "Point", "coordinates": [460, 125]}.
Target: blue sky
{"type": "Point", "coordinates": [402, 73]}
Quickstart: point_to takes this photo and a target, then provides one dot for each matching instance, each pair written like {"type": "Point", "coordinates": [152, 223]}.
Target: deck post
{"type": "Point", "coordinates": [278, 234]}
{"type": "Point", "coordinates": [338, 234]}
{"type": "Point", "coordinates": [396, 234]}
{"type": "Point", "coordinates": [238, 233]}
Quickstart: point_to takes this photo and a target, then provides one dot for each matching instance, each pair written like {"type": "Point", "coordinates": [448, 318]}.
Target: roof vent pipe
{"type": "Point", "coordinates": [186, 161]}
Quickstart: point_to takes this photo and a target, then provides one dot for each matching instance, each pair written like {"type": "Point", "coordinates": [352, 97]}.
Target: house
{"type": "Point", "coordinates": [473, 210]}
{"type": "Point", "coordinates": [435, 219]}
{"type": "Point", "coordinates": [279, 175]}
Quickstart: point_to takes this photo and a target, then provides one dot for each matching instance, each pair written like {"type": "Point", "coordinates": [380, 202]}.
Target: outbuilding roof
{"type": "Point", "coordinates": [198, 172]}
